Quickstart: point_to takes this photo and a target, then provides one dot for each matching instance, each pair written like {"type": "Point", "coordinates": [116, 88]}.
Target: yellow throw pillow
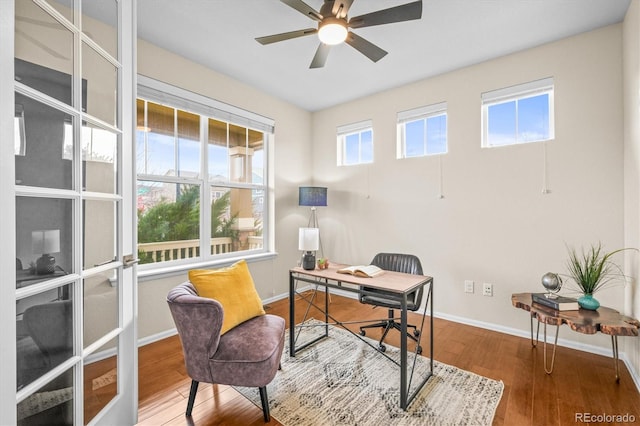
{"type": "Point", "coordinates": [233, 287]}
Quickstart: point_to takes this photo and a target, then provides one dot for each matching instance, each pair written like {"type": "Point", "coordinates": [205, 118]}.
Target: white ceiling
{"type": "Point", "coordinates": [219, 34]}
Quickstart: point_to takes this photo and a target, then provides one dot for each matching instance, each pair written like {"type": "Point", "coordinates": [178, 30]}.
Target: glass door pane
{"type": "Point", "coordinates": [100, 23]}
{"type": "Point", "coordinates": [52, 404]}
{"type": "Point", "coordinates": [100, 380]}
{"type": "Point", "coordinates": [44, 239]}
{"type": "Point", "coordinates": [100, 306]}
{"type": "Point", "coordinates": [43, 52]}
{"type": "Point", "coordinates": [99, 232]}
{"type": "Point", "coordinates": [44, 333]}
{"type": "Point", "coordinates": [48, 136]}
{"type": "Point", "coordinates": [100, 80]}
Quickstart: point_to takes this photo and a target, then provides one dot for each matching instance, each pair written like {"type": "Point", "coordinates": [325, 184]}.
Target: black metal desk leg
{"type": "Point", "coordinates": [404, 392]}
{"type": "Point", "coordinates": [292, 316]}
{"type": "Point", "coordinates": [326, 310]}
{"type": "Point", "coordinates": [431, 328]}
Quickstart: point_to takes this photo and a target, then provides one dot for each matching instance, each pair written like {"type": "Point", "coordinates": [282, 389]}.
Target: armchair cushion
{"type": "Point", "coordinates": [233, 287]}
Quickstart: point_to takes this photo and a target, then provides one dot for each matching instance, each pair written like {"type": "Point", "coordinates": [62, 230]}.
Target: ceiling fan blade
{"type": "Point", "coordinates": [365, 47]}
{"type": "Point", "coordinates": [320, 58]}
{"type": "Point", "coordinates": [405, 12]}
{"type": "Point", "coordinates": [303, 8]}
{"type": "Point", "coordinates": [341, 8]}
{"type": "Point", "coordinates": [286, 36]}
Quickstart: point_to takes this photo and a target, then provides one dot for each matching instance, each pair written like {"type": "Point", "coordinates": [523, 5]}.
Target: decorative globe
{"type": "Point", "coordinates": [552, 282]}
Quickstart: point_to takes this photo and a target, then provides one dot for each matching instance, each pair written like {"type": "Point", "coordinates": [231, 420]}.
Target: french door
{"type": "Point", "coordinates": [71, 354]}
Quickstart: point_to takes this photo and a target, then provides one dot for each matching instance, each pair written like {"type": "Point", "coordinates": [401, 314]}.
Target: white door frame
{"type": "Point", "coordinates": [7, 219]}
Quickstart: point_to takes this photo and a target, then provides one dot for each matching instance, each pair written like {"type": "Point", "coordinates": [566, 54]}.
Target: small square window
{"type": "Point", "coordinates": [518, 114]}
{"type": "Point", "coordinates": [422, 131]}
{"type": "Point", "coordinates": [355, 144]}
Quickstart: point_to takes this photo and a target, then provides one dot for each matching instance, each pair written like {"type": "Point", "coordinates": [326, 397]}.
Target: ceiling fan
{"type": "Point", "coordinates": [333, 26]}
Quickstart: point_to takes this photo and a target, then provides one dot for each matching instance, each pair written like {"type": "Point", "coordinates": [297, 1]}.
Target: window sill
{"type": "Point", "coordinates": [168, 271]}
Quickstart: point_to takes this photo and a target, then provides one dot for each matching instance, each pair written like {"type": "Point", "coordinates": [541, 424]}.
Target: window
{"type": "Point", "coordinates": [422, 131]}
{"type": "Point", "coordinates": [518, 114]}
{"type": "Point", "coordinates": [202, 169]}
{"type": "Point", "coordinates": [355, 143]}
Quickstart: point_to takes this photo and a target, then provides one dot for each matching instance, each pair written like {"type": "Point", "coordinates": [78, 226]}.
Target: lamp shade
{"type": "Point", "coordinates": [313, 196]}
{"type": "Point", "coordinates": [308, 239]}
{"type": "Point", "coordinates": [45, 241]}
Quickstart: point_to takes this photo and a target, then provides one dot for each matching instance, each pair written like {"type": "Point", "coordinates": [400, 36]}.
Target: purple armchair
{"type": "Point", "coordinates": [247, 355]}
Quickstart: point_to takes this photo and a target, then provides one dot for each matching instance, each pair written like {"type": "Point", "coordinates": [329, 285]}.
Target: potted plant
{"type": "Point", "coordinates": [592, 270]}
{"type": "Point", "coordinates": [323, 263]}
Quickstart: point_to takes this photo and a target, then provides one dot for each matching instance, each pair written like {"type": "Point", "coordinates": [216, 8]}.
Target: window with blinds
{"type": "Point", "coordinates": [518, 114]}
{"type": "Point", "coordinates": [422, 131]}
{"type": "Point", "coordinates": [355, 143]}
{"type": "Point", "coordinates": [202, 170]}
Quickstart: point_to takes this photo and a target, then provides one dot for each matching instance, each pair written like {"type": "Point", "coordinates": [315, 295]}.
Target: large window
{"type": "Point", "coordinates": [355, 143]}
{"type": "Point", "coordinates": [202, 169]}
{"type": "Point", "coordinates": [518, 114]}
{"type": "Point", "coordinates": [422, 131]}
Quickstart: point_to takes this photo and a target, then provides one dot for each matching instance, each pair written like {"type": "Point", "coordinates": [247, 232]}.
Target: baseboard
{"type": "Point", "coordinates": [598, 350]}
{"type": "Point", "coordinates": [155, 337]}
{"type": "Point", "coordinates": [635, 375]}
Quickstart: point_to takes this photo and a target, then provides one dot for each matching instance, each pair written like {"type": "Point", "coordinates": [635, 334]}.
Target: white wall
{"type": "Point", "coordinates": [631, 73]}
{"type": "Point", "coordinates": [494, 224]}
{"type": "Point", "coordinates": [292, 167]}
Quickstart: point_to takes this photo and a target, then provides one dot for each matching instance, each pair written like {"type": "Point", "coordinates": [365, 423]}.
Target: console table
{"type": "Point", "coordinates": [604, 320]}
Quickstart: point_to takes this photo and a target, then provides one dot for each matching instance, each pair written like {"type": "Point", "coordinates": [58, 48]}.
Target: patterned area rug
{"type": "Point", "coordinates": [342, 381]}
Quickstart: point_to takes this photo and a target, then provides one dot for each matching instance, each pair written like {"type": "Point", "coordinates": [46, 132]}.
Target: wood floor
{"type": "Point", "coordinates": [581, 383]}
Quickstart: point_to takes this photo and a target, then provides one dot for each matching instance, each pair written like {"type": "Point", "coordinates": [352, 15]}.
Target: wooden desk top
{"type": "Point", "coordinates": [396, 282]}
{"type": "Point", "coordinates": [604, 320]}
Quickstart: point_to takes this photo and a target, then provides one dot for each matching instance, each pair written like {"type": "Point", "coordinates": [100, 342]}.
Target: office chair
{"type": "Point", "coordinates": [406, 263]}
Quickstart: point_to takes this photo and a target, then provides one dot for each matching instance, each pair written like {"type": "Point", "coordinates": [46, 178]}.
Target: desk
{"type": "Point", "coordinates": [604, 320]}
{"type": "Point", "coordinates": [24, 277]}
{"type": "Point", "coordinates": [398, 284]}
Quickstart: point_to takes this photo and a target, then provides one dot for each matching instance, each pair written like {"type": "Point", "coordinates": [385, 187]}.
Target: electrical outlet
{"type": "Point", "coordinates": [487, 289]}
{"type": "Point", "coordinates": [468, 286]}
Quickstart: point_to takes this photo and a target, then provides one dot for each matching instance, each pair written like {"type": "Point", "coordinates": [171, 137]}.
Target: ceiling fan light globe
{"type": "Point", "coordinates": [332, 31]}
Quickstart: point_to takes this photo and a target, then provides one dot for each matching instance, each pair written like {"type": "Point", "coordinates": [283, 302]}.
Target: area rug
{"type": "Point", "coordinates": [341, 380]}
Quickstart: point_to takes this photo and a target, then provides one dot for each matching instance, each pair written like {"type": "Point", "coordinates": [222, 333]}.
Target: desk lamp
{"type": "Point", "coordinates": [45, 242]}
{"type": "Point", "coordinates": [308, 242]}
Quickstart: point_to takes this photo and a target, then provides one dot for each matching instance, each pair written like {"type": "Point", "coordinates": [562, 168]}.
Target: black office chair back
{"type": "Point", "coordinates": [406, 263]}
{"type": "Point", "coordinates": [398, 262]}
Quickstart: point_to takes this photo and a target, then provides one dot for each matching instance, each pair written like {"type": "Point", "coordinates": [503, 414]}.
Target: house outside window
{"type": "Point", "coordinates": [518, 114]}
{"type": "Point", "coordinates": [355, 143]}
{"type": "Point", "coordinates": [422, 131]}
{"type": "Point", "coordinates": [201, 178]}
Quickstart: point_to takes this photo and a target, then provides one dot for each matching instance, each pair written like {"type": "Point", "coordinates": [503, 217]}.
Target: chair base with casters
{"type": "Point", "coordinates": [247, 355]}
{"type": "Point", "coordinates": [405, 263]}
{"type": "Point", "coordinates": [390, 324]}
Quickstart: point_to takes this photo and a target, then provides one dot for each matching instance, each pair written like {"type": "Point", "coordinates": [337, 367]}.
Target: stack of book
{"type": "Point", "coordinates": [559, 303]}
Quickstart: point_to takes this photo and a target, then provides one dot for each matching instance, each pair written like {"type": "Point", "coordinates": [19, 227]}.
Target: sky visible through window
{"type": "Point", "coordinates": [426, 136]}
{"type": "Point", "coordinates": [161, 161]}
{"type": "Point", "coordinates": [359, 147]}
{"type": "Point", "coordinates": [519, 121]}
